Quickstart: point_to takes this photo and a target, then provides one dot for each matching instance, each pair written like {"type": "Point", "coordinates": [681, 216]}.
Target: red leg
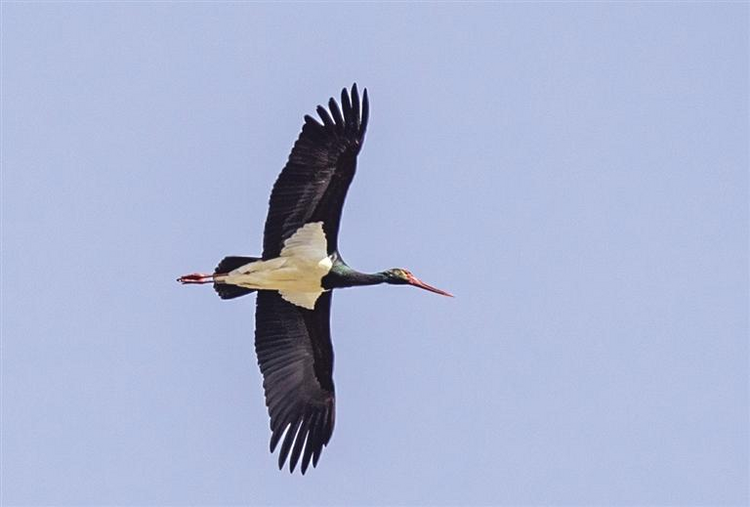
{"type": "Point", "coordinates": [196, 278]}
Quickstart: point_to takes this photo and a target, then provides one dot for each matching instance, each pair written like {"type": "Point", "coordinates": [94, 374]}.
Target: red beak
{"type": "Point", "coordinates": [416, 282]}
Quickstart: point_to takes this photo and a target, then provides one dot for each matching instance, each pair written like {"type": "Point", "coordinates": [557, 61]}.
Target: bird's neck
{"type": "Point", "coordinates": [356, 278]}
{"type": "Point", "coordinates": [343, 276]}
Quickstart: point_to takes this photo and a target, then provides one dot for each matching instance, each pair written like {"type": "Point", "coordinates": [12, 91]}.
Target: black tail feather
{"type": "Point", "coordinates": [229, 291]}
{"type": "Point", "coordinates": [227, 264]}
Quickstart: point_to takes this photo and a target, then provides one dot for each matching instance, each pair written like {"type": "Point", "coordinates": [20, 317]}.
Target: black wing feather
{"type": "Point", "coordinates": [313, 184]}
{"type": "Point", "coordinates": [338, 118]}
{"type": "Point", "coordinates": [296, 358]}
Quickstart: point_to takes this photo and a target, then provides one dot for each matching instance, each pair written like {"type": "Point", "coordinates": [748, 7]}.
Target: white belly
{"type": "Point", "coordinates": [296, 273]}
{"type": "Point", "coordinates": [281, 273]}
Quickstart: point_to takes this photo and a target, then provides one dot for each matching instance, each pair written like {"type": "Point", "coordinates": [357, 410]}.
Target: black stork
{"type": "Point", "coordinates": [301, 264]}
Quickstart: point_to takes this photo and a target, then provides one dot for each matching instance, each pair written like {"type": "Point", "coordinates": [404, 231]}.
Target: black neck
{"type": "Point", "coordinates": [342, 275]}
{"type": "Point", "coordinates": [356, 279]}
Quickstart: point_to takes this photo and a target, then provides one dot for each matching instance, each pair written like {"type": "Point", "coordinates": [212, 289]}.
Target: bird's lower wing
{"type": "Point", "coordinates": [296, 358]}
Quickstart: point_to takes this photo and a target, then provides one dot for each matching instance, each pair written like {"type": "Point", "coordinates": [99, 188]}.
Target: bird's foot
{"type": "Point", "coordinates": [196, 278]}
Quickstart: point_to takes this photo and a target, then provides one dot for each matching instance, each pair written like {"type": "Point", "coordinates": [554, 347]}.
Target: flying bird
{"type": "Point", "coordinates": [296, 275]}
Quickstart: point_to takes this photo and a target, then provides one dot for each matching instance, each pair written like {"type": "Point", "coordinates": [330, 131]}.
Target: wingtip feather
{"type": "Point", "coordinates": [323, 113]}
{"type": "Point", "coordinates": [338, 119]}
{"type": "Point", "coordinates": [365, 112]}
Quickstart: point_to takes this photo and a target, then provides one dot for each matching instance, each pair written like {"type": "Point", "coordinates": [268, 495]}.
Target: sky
{"type": "Point", "coordinates": [575, 173]}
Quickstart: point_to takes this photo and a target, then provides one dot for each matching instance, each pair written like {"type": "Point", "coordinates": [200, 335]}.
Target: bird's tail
{"type": "Point", "coordinates": [227, 264]}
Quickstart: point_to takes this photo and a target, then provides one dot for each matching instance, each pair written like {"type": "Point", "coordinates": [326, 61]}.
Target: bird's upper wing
{"type": "Point", "coordinates": [296, 358]}
{"type": "Point", "coordinates": [313, 184]}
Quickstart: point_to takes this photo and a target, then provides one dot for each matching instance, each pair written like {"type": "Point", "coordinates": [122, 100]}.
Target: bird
{"type": "Point", "coordinates": [295, 277]}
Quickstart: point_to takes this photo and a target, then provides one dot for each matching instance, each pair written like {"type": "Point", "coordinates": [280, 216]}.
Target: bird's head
{"type": "Point", "coordinates": [400, 276]}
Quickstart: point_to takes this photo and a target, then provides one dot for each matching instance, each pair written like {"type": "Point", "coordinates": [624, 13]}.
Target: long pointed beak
{"type": "Point", "coordinates": [416, 282]}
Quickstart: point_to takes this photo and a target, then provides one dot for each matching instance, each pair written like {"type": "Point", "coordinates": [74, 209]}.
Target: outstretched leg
{"type": "Point", "coordinates": [196, 278]}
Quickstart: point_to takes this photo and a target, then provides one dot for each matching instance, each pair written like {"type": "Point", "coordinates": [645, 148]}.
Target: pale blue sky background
{"type": "Point", "coordinates": [577, 174]}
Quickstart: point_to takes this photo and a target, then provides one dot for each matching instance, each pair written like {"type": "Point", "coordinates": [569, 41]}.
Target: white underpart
{"type": "Point", "coordinates": [296, 273]}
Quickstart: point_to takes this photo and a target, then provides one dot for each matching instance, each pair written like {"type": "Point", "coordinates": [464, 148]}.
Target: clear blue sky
{"type": "Point", "coordinates": [577, 174]}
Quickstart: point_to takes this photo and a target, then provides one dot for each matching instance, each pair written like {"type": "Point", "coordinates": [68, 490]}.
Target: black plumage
{"type": "Point", "coordinates": [296, 358]}
{"type": "Point", "coordinates": [313, 184]}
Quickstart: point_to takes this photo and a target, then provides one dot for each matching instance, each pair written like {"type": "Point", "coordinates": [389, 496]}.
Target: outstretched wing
{"type": "Point", "coordinates": [296, 358]}
{"type": "Point", "coordinates": [313, 184]}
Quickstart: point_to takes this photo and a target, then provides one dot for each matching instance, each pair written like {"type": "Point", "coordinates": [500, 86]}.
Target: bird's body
{"type": "Point", "coordinates": [296, 273]}
{"type": "Point", "coordinates": [295, 277]}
